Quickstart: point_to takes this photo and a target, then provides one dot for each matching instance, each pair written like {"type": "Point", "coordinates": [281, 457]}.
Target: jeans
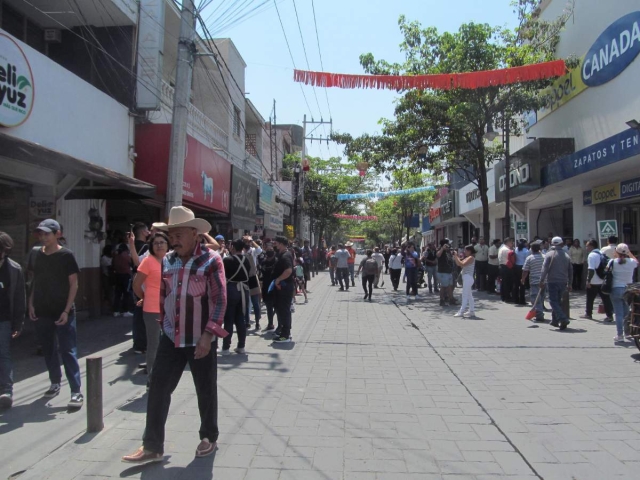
{"type": "Point", "coordinates": [343, 276]}
{"type": "Point", "coordinates": [431, 272]}
{"type": "Point", "coordinates": [139, 330]}
{"type": "Point", "coordinates": [518, 287]}
{"type": "Point", "coordinates": [507, 284]}
{"type": "Point", "coordinates": [467, 294]}
{"type": "Point", "coordinates": [555, 299]}
{"type": "Point", "coordinates": [620, 306]}
{"type": "Point", "coordinates": [122, 299]}
{"type": "Point", "coordinates": [367, 281]}
{"type": "Point", "coordinates": [65, 347]}
{"type": "Point", "coordinates": [283, 307]}
{"type": "Point", "coordinates": [592, 293]}
{"type": "Point", "coordinates": [153, 338]}
{"type": "Point", "coordinates": [533, 295]}
{"type": "Point", "coordinates": [394, 274]}
{"type": "Point", "coordinates": [351, 267]}
{"type": "Point", "coordinates": [6, 368]}
{"type": "Point", "coordinates": [332, 275]}
{"type": "Point", "coordinates": [167, 371]}
{"type": "Point", "coordinates": [412, 280]}
{"type": "Point", "coordinates": [269, 303]}
{"type": "Point", "coordinates": [255, 306]}
{"type": "Point", "coordinates": [494, 273]}
{"type": "Point", "coordinates": [235, 315]}
{"type": "Point", "coordinates": [577, 276]}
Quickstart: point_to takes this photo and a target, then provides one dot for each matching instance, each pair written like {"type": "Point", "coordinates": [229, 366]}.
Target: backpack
{"type": "Point", "coordinates": [511, 259]}
{"type": "Point", "coordinates": [602, 266]}
{"type": "Point", "coordinates": [370, 267]}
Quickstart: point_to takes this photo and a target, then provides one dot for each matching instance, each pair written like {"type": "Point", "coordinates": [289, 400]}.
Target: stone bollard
{"type": "Point", "coordinates": [94, 395]}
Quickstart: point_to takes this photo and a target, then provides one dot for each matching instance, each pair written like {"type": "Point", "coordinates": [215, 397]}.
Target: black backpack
{"type": "Point", "coordinates": [602, 266]}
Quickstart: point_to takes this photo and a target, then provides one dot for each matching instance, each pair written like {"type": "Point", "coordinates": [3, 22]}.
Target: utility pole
{"type": "Point", "coordinates": [181, 95]}
{"type": "Point", "coordinates": [273, 134]}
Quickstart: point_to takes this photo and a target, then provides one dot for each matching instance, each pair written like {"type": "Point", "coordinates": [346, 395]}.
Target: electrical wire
{"type": "Point", "coordinates": [315, 22]}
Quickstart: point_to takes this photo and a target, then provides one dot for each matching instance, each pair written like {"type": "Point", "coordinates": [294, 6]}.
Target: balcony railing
{"type": "Point", "coordinates": [198, 121]}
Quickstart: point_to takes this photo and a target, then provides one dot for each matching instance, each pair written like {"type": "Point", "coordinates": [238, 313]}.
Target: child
{"type": "Point", "coordinates": [300, 278]}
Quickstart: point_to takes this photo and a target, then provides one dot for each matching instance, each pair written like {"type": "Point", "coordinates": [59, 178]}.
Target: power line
{"type": "Point", "coordinates": [291, 55]}
{"type": "Point", "coordinates": [313, 8]}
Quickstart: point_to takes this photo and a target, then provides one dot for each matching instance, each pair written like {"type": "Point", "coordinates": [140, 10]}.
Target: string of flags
{"type": "Point", "coordinates": [382, 194]}
{"type": "Point", "coordinates": [355, 217]}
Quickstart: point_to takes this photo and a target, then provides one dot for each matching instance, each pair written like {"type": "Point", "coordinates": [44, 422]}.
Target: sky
{"type": "Point", "coordinates": [346, 29]}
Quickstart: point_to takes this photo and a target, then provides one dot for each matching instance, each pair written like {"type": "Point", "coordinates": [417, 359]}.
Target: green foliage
{"type": "Point", "coordinates": [441, 131]}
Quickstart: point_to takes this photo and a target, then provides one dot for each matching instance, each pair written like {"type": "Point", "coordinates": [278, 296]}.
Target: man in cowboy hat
{"type": "Point", "coordinates": [193, 300]}
{"type": "Point", "coordinates": [351, 262]}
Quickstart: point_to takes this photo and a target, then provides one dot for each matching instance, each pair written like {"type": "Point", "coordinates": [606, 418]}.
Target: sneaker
{"type": "Point", "coordinates": [564, 324]}
{"type": "Point", "coordinates": [341, 289]}
{"type": "Point", "coordinates": [306, 301]}
{"type": "Point", "coordinates": [239, 350]}
{"type": "Point", "coordinates": [470, 315]}
{"type": "Point", "coordinates": [629, 338]}
{"type": "Point", "coordinates": [453, 301]}
{"type": "Point", "coordinates": [138, 351]}
{"type": "Point", "coordinates": [608, 319]}
{"type": "Point", "coordinates": [269, 328]}
{"type": "Point", "coordinates": [54, 390]}
{"type": "Point", "coordinates": [116, 314]}
{"type": "Point", "coordinates": [142, 366]}
{"type": "Point", "coordinates": [205, 448]}
{"type": "Point", "coordinates": [282, 340]}
{"type": "Point", "coordinates": [126, 314]}
{"type": "Point", "coordinates": [257, 326]}
{"type": "Point", "coordinates": [554, 323]}
{"type": "Point", "coordinates": [442, 304]}
{"type": "Point", "coordinates": [225, 352]}
{"type": "Point", "coordinates": [142, 457]}
{"type": "Point", "coordinates": [293, 309]}
{"type": "Point", "coordinates": [366, 295]}
{"type": "Point", "coordinates": [618, 338]}
{"type": "Point", "coordinates": [6, 400]}
{"type": "Point", "coordinates": [459, 314]}
{"type": "Point", "coordinates": [587, 317]}
{"type": "Point", "coordinates": [77, 400]}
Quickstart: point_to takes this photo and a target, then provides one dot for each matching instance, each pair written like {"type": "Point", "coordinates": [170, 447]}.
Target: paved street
{"type": "Point", "coordinates": [381, 390]}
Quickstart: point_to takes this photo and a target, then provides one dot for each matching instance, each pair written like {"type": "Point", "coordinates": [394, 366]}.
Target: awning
{"type": "Point", "coordinates": [98, 182]}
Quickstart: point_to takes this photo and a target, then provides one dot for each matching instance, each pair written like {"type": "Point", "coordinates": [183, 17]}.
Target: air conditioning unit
{"type": "Point", "coordinates": [52, 35]}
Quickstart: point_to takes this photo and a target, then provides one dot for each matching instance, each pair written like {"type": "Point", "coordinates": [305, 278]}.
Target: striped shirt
{"type": "Point", "coordinates": [193, 296]}
{"type": "Point", "coordinates": [533, 265]}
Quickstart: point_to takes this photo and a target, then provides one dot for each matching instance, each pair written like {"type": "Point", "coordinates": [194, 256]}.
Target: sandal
{"type": "Point", "coordinates": [205, 448]}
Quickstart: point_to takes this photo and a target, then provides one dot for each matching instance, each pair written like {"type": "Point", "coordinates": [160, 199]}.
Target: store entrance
{"type": "Point", "coordinates": [628, 217]}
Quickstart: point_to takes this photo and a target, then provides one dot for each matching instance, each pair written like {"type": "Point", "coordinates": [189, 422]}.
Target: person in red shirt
{"type": "Point", "coordinates": [351, 262]}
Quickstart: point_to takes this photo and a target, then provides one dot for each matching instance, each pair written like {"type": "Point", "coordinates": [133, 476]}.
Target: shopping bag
{"type": "Point", "coordinates": [601, 309]}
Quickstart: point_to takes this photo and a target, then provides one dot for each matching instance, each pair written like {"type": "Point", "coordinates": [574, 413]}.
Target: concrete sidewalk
{"type": "Point", "coordinates": [390, 390]}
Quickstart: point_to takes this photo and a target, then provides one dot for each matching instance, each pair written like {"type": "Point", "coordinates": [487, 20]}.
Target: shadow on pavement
{"type": "Point", "coordinates": [34, 412]}
{"type": "Point", "coordinates": [198, 469]}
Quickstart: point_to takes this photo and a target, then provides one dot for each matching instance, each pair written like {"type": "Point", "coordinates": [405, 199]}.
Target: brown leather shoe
{"type": "Point", "coordinates": [205, 448]}
{"type": "Point", "coordinates": [142, 457]}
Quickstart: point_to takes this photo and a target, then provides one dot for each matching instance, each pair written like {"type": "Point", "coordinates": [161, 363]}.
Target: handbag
{"type": "Point", "coordinates": [607, 285]}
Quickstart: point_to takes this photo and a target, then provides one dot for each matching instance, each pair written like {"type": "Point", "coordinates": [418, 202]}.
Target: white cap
{"type": "Point", "coordinates": [557, 241]}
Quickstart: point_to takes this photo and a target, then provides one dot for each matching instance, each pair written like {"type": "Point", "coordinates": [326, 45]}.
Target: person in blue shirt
{"type": "Point", "coordinates": [522, 252]}
{"type": "Point", "coordinates": [411, 262]}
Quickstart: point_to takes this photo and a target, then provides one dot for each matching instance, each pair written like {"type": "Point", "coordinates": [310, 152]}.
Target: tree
{"type": "Point", "coordinates": [442, 131]}
{"type": "Point", "coordinates": [323, 182]}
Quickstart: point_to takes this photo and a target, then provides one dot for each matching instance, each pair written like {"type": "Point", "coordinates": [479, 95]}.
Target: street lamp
{"type": "Point", "coordinates": [491, 134]}
{"type": "Point", "coordinates": [634, 124]}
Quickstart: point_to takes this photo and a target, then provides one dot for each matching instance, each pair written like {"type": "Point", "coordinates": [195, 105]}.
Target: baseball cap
{"type": "Point", "coordinates": [622, 249]}
{"type": "Point", "coordinates": [219, 237]}
{"type": "Point", "coordinates": [49, 225]}
{"type": "Point", "coordinates": [160, 226]}
{"type": "Point", "coordinates": [557, 241]}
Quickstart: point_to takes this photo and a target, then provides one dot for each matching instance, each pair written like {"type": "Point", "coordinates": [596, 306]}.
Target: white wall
{"type": "Point", "coordinates": [73, 215]}
{"type": "Point", "coordinates": [73, 117]}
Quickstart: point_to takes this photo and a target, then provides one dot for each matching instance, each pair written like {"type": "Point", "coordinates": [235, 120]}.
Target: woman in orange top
{"type": "Point", "coordinates": [146, 286]}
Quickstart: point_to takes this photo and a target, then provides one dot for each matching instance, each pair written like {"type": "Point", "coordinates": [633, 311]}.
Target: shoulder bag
{"type": "Point", "coordinates": [607, 285]}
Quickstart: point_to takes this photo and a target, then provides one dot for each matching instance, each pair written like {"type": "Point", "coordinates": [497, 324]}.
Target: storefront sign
{"type": "Point", "coordinates": [274, 222]}
{"type": "Point", "coordinates": [606, 193]}
{"type": "Point", "coordinates": [522, 228]}
{"type": "Point", "coordinates": [518, 176]}
{"type": "Point", "coordinates": [267, 198]}
{"type": "Point", "coordinates": [562, 90]}
{"type": "Point", "coordinates": [207, 176]}
{"type": "Point", "coordinates": [613, 51]}
{"type": "Point", "coordinates": [472, 195]}
{"type": "Point", "coordinates": [607, 228]}
{"type": "Point", "coordinates": [16, 83]}
{"type": "Point", "coordinates": [42, 207]}
{"type": "Point", "coordinates": [448, 206]}
{"type": "Point", "coordinates": [243, 199]}
{"type": "Point", "coordinates": [426, 226]}
{"type": "Point", "coordinates": [150, 47]}
{"type": "Point", "coordinates": [523, 178]}
{"type": "Point", "coordinates": [630, 188]}
{"type": "Point", "coordinates": [434, 213]}
{"type": "Point", "coordinates": [606, 152]}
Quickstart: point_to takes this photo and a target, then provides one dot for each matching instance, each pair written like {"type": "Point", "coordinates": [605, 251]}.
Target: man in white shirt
{"type": "Point", "coordinates": [594, 282]}
{"type": "Point", "coordinates": [342, 268]}
{"type": "Point", "coordinates": [482, 264]}
{"type": "Point", "coordinates": [494, 266]}
{"type": "Point", "coordinates": [379, 258]}
{"type": "Point", "coordinates": [610, 249]}
{"type": "Point", "coordinates": [505, 272]}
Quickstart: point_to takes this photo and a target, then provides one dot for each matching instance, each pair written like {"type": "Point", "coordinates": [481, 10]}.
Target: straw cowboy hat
{"type": "Point", "coordinates": [183, 217]}
{"type": "Point", "coordinates": [348, 244]}
{"type": "Point", "coordinates": [160, 226]}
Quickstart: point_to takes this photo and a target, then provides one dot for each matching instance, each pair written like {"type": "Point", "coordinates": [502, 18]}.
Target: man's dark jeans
{"type": "Point", "coordinates": [412, 280]}
{"type": "Point", "coordinates": [506, 286]}
{"type": "Point", "coordinates": [166, 373]}
{"type": "Point", "coordinates": [482, 269]}
{"type": "Point", "coordinates": [394, 274]}
{"type": "Point", "coordinates": [592, 293]}
{"type": "Point", "coordinates": [65, 347]}
{"type": "Point", "coordinates": [555, 299]}
{"type": "Point", "coordinates": [234, 315]}
{"type": "Point", "coordinates": [269, 303]}
{"type": "Point", "coordinates": [494, 273]}
{"type": "Point", "coordinates": [367, 283]}
{"type": "Point", "coordinates": [343, 276]}
{"type": "Point", "coordinates": [283, 307]}
{"type": "Point", "coordinates": [6, 369]}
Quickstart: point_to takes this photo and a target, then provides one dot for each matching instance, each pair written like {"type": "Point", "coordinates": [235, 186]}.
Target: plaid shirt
{"type": "Point", "coordinates": [193, 297]}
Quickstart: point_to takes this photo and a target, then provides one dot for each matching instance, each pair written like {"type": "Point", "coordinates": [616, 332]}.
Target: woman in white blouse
{"type": "Point", "coordinates": [622, 267]}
